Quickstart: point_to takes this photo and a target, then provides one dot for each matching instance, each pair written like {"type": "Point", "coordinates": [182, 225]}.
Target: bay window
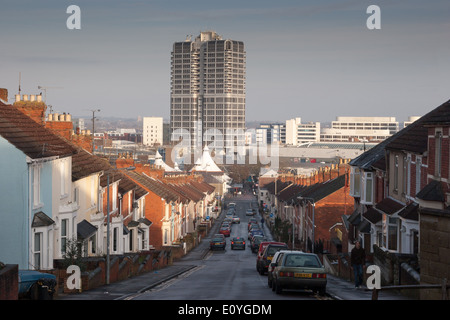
{"type": "Point", "coordinates": [367, 188]}
{"type": "Point", "coordinates": [355, 183]}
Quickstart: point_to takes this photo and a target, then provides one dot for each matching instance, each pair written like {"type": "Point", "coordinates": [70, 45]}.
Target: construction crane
{"type": "Point", "coordinates": [45, 91]}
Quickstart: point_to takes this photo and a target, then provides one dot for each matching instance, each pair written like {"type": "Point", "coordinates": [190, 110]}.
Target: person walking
{"type": "Point", "coordinates": [358, 258]}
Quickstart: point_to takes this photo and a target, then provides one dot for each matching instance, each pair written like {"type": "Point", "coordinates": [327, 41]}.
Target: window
{"type": "Point", "coordinates": [37, 250]}
{"type": "Point", "coordinates": [415, 241]}
{"type": "Point", "coordinates": [367, 188]}
{"type": "Point", "coordinates": [355, 187]}
{"type": "Point", "coordinates": [115, 239]}
{"type": "Point", "coordinates": [392, 233]}
{"type": "Point", "coordinates": [64, 234]}
{"type": "Point", "coordinates": [437, 160]}
{"type": "Point", "coordinates": [131, 240]}
{"type": "Point", "coordinates": [93, 244]}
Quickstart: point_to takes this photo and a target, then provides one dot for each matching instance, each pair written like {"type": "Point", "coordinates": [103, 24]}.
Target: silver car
{"type": "Point", "coordinates": [298, 270]}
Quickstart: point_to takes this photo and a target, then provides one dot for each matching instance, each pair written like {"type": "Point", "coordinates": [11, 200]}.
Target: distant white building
{"type": "Point", "coordinates": [410, 120]}
{"type": "Point", "coordinates": [298, 132]}
{"type": "Point", "coordinates": [268, 133]}
{"type": "Point", "coordinates": [152, 131]}
{"type": "Point", "coordinates": [345, 129]}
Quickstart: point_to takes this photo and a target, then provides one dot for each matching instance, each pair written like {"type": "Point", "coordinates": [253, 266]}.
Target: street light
{"type": "Point", "coordinates": [313, 219]}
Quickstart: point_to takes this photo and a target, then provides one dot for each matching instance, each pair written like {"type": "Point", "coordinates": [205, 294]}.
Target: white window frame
{"type": "Point", "coordinates": [368, 179]}
{"type": "Point", "coordinates": [64, 237]}
{"type": "Point", "coordinates": [355, 175]}
{"type": "Point", "coordinates": [38, 251]}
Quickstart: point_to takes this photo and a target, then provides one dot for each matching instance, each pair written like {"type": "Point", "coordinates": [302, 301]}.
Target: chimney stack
{"type": "Point", "coordinates": [4, 95]}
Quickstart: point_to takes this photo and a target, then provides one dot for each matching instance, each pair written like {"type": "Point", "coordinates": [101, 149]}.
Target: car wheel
{"type": "Point", "coordinates": [269, 283]}
{"type": "Point", "coordinates": [278, 288]}
{"type": "Point", "coordinates": [321, 291]}
{"type": "Point", "coordinates": [261, 271]}
{"type": "Point", "coordinates": [34, 294]}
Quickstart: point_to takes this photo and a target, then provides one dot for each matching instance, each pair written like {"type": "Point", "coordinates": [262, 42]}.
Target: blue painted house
{"type": "Point", "coordinates": [35, 177]}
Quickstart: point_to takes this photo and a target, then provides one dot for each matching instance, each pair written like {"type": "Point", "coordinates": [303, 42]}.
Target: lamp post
{"type": "Point", "coordinates": [313, 203]}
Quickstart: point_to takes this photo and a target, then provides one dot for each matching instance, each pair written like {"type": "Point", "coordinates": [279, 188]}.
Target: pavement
{"type": "Point", "coordinates": [337, 288]}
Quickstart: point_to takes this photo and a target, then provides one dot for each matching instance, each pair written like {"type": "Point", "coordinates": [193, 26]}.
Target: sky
{"type": "Point", "coordinates": [313, 59]}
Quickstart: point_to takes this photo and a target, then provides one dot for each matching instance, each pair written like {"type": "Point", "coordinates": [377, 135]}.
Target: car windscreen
{"type": "Point", "coordinates": [273, 249]}
{"type": "Point", "coordinates": [217, 239]}
{"type": "Point", "coordinates": [297, 260]}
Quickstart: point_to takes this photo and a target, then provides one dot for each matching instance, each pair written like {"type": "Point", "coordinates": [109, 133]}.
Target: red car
{"type": "Point", "coordinates": [225, 231]}
{"type": "Point", "coordinates": [260, 254]}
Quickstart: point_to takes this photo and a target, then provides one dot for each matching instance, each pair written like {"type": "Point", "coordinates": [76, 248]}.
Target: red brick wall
{"type": "Point", "coordinates": [63, 128]}
{"type": "Point", "coordinates": [84, 141]}
{"type": "Point", "coordinates": [9, 282]}
{"type": "Point", "coordinates": [379, 185]}
{"type": "Point", "coordinates": [329, 211]}
{"type": "Point", "coordinates": [154, 211]}
{"type": "Point", "coordinates": [4, 94]}
{"type": "Point", "coordinates": [35, 110]}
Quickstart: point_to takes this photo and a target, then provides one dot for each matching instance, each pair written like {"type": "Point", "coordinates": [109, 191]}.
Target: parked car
{"type": "Point", "coordinates": [249, 212]}
{"type": "Point", "coordinates": [260, 251]}
{"type": "Point", "coordinates": [217, 242]}
{"type": "Point", "coordinates": [299, 270]}
{"type": "Point", "coordinates": [36, 285]}
{"type": "Point", "coordinates": [252, 220]}
{"type": "Point", "coordinates": [236, 219]}
{"type": "Point", "coordinates": [237, 243]}
{"type": "Point", "coordinates": [267, 256]}
{"type": "Point", "coordinates": [255, 232]}
{"type": "Point", "coordinates": [232, 205]}
{"type": "Point", "coordinates": [254, 226]}
{"type": "Point", "coordinates": [255, 241]}
{"type": "Point", "coordinates": [270, 269]}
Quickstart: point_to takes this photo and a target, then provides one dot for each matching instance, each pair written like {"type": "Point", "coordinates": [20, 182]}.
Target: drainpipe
{"type": "Point", "coordinates": [107, 231]}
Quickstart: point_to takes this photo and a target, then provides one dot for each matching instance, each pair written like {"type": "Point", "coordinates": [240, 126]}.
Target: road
{"type": "Point", "coordinates": [223, 275]}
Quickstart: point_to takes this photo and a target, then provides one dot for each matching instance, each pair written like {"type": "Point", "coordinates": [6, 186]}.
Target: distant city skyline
{"type": "Point", "coordinates": [314, 60]}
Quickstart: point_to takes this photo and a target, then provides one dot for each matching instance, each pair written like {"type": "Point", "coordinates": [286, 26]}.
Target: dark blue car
{"type": "Point", "coordinates": [36, 285]}
{"type": "Point", "coordinates": [254, 232]}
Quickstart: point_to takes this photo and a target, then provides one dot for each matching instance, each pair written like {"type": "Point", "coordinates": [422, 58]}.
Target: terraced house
{"type": "Point", "coordinates": [54, 192]}
{"type": "Point", "coordinates": [37, 214]}
{"type": "Point", "coordinates": [399, 186]}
